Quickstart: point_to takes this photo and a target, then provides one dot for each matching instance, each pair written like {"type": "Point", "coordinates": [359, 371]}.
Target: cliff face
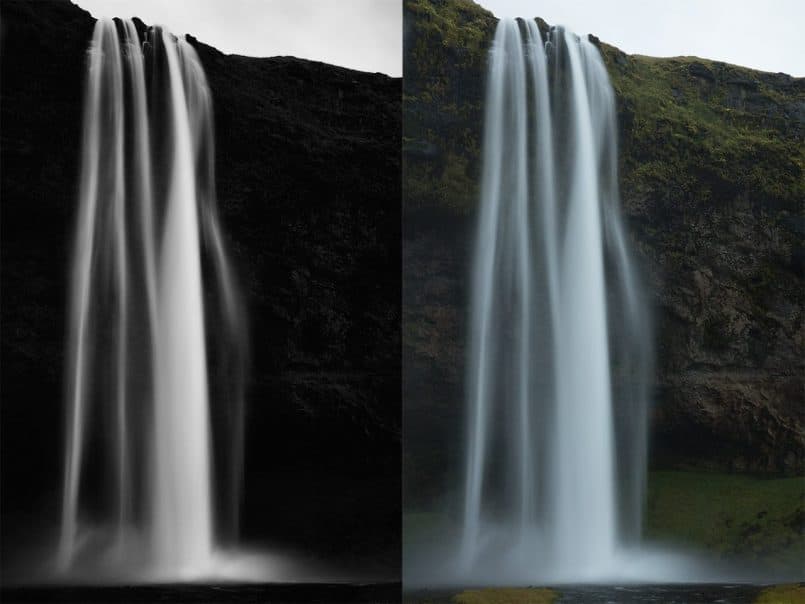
{"type": "Point", "coordinates": [711, 167]}
{"type": "Point", "coordinates": [308, 178]}
{"type": "Point", "coordinates": [713, 185]}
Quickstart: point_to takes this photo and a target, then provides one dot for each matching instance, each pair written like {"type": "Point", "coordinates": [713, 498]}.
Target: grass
{"type": "Point", "coordinates": [782, 594]}
{"type": "Point", "coordinates": [506, 595]}
{"type": "Point", "coordinates": [762, 519]}
{"type": "Point", "coordinates": [681, 123]}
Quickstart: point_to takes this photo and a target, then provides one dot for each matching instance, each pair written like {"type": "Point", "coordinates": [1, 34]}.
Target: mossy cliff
{"type": "Point", "coordinates": [713, 181]}
{"type": "Point", "coordinates": [711, 166]}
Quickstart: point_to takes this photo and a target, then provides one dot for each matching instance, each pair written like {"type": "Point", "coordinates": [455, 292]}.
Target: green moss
{"type": "Point", "coordinates": [782, 594]}
{"type": "Point", "coordinates": [445, 69]}
{"type": "Point", "coordinates": [680, 125]}
{"type": "Point", "coordinates": [685, 138]}
{"type": "Point", "coordinates": [692, 140]}
{"type": "Point", "coordinates": [730, 515]}
{"type": "Point", "coordinates": [506, 595]}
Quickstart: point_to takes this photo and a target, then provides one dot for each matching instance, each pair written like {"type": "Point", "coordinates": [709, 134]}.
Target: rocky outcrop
{"type": "Point", "coordinates": [711, 166]}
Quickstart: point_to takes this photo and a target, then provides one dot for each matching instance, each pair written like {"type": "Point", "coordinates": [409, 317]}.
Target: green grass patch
{"type": "Point", "coordinates": [731, 515]}
{"type": "Point", "coordinates": [782, 594]}
{"type": "Point", "coordinates": [506, 595]}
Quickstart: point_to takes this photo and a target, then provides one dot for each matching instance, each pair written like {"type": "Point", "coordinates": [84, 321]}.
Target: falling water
{"type": "Point", "coordinates": [154, 426]}
{"type": "Point", "coordinates": [559, 337]}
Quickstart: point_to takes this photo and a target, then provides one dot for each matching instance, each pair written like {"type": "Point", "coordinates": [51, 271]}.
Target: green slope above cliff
{"type": "Point", "coordinates": [710, 129]}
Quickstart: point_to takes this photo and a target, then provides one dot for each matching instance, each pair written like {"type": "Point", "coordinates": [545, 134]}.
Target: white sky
{"type": "Point", "coordinates": [360, 34]}
{"type": "Point", "coordinates": [367, 34]}
{"type": "Point", "coordinates": [762, 35]}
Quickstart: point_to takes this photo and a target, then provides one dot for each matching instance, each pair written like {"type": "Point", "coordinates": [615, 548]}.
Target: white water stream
{"type": "Point", "coordinates": [140, 466]}
{"type": "Point", "coordinates": [560, 345]}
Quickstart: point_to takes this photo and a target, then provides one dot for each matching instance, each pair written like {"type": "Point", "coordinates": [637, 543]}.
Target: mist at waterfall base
{"type": "Point", "coordinates": [560, 350]}
{"type": "Point", "coordinates": [156, 350]}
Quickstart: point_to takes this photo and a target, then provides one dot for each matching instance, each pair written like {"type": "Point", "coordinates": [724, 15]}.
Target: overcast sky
{"type": "Point", "coordinates": [360, 34]}
{"type": "Point", "coordinates": [367, 34]}
{"type": "Point", "coordinates": [763, 35]}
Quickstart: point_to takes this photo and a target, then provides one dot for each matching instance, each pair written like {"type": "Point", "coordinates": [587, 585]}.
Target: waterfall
{"type": "Point", "coordinates": [559, 335]}
{"type": "Point", "coordinates": [154, 427]}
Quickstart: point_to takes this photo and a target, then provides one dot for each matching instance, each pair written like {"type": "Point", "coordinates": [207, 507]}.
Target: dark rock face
{"type": "Point", "coordinates": [711, 166]}
{"type": "Point", "coordinates": [713, 190]}
{"type": "Point", "coordinates": [700, 71]}
{"type": "Point", "coordinates": [443, 92]}
{"type": "Point", "coordinates": [308, 178]}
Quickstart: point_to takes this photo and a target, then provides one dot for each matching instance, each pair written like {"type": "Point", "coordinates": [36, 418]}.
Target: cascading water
{"type": "Point", "coordinates": [560, 347]}
{"type": "Point", "coordinates": [151, 292]}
